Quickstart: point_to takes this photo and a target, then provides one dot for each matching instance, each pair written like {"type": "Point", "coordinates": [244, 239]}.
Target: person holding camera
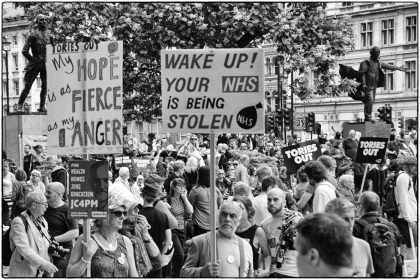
{"type": "Point", "coordinates": [30, 241]}
{"type": "Point", "coordinates": [63, 229]}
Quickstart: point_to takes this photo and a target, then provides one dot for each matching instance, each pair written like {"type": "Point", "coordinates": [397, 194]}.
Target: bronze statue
{"type": "Point", "coordinates": [370, 76]}
{"type": "Point", "coordinates": [373, 78]}
{"type": "Point", "coordinates": [36, 41]}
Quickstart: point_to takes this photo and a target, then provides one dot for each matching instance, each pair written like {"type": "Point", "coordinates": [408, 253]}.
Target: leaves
{"type": "Point", "coordinates": [298, 29]}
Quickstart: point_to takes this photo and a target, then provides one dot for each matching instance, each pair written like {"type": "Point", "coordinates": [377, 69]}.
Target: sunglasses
{"type": "Point", "coordinates": [119, 213]}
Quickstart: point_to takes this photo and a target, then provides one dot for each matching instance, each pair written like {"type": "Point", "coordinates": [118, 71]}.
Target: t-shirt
{"type": "Point", "coordinates": [159, 223]}
{"type": "Point", "coordinates": [229, 256]}
{"type": "Point", "coordinates": [362, 258]}
{"type": "Point", "coordinates": [59, 223]}
{"type": "Point", "coordinates": [280, 236]}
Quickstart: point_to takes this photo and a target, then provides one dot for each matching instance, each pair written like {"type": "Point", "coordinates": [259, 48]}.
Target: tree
{"type": "Point", "coordinates": [305, 37]}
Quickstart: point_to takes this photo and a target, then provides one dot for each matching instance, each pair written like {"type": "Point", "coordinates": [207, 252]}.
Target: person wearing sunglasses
{"type": "Point", "coordinates": [108, 253]}
{"type": "Point", "coordinates": [30, 240]}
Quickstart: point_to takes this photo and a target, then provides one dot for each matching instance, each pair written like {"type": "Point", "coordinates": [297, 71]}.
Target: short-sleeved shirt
{"type": "Point", "coordinates": [159, 223]}
{"type": "Point", "coordinates": [59, 223]}
{"type": "Point", "coordinates": [362, 258]}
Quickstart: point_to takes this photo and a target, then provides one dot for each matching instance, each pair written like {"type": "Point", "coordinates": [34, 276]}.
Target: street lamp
{"type": "Point", "coordinates": [6, 49]}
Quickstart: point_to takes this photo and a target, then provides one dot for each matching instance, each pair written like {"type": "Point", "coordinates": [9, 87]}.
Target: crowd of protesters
{"type": "Point", "coordinates": [270, 223]}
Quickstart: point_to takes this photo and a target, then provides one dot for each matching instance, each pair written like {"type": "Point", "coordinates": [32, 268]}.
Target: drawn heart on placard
{"type": "Point", "coordinates": [247, 117]}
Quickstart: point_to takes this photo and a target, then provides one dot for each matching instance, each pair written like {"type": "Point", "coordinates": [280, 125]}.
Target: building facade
{"type": "Point", "coordinates": [391, 26]}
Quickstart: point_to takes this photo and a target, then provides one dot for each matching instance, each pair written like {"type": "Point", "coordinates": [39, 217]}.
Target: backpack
{"type": "Point", "coordinates": [390, 206]}
{"type": "Point", "coordinates": [383, 247]}
{"type": "Point", "coordinates": [6, 246]}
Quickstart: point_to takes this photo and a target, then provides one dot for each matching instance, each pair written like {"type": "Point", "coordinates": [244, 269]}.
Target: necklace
{"type": "Point", "coordinates": [105, 244]}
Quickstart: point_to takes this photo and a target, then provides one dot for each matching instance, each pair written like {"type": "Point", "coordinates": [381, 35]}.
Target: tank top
{"type": "Point", "coordinates": [110, 264]}
{"type": "Point", "coordinates": [248, 235]}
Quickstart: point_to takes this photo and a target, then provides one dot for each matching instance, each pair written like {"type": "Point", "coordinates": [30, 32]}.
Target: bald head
{"type": "Point", "coordinates": [370, 201]}
{"type": "Point", "coordinates": [277, 192]}
{"type": "Point", "coordinates": [57, 187]}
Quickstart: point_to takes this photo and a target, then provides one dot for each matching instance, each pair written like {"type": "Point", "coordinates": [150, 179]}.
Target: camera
{"type": "Point", "coordinates": [58, 251]}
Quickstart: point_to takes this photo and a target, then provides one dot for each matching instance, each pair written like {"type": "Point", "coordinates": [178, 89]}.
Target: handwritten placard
{"type": "Point", "coordinates": [84, 98]}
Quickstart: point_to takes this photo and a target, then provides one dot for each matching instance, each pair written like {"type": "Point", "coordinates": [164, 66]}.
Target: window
{"type": "Point", "coordinates": [355, 116]}
{"type": "Point", "coordinates": [315, 78]}
{"type": "Point", "coordinates": [325, 117]}
{"type": "Point", "coordinates": [16, 87]}
{"type": "Point", "coordinates": [389, 79]}
{"type": "Point", "coordinates": [268, 66]}
{"type": "Point", "coordinates": [268, 102]}
{"type": "Point", "coordinates": [366, 34]}
{"type": "Point", "coordinates": [4, 86]}
{"type": "Point", "coordinates": [15, 61]}
{"type": "Point", "coordinates": [347, 4]}
{"type": "Point", "coordinates": [14, 40]}
{"type": "Point", "coordinates": [410, 75]}
{"type": "Point", "coordinates": [388, 32]}
{"type": "Point", "coordinates": [411, 29]}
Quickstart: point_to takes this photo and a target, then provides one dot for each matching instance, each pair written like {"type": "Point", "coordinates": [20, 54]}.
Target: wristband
{"type": "Point", "coordinates": [85, 261]}
{"type": "Point", "coordinates": [146, 241]}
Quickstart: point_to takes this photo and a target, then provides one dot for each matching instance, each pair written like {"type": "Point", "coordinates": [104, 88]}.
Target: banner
{"type": "Point", "coordinates": [139, 166]}
{"type": "Point", "coordinates": [85, 98]}
{"type": "Point", "coordinates": [297, 155]}
{"type": "Point", "coordinates": [88, 189]}
{"type": "Point", "coordinates": [371, 150]}
{"type": "Point", "coordinates": [213, 90]}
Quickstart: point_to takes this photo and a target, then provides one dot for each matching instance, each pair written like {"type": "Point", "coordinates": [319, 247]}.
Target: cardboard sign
{"type": "Point", "coordinates": [371, 150]}
{"type": "Point", "coordinates": [139, 165]}
{"type": "Point", "coordinates": [88, 189]}
{"type": "Point", "coordinates": [297, 155]}
{"type": "Point", "coordinates": [85, 98]}
{"type": "Point", "coordinates": [123, 161]}
{"type": "Point", "coordinates": [213, 90]}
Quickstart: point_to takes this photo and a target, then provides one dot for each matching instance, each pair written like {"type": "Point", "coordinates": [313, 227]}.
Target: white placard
{"type": "Point", "coordinates": [213, 90]}
{"type": "Point", "coordinates": [85, 98]}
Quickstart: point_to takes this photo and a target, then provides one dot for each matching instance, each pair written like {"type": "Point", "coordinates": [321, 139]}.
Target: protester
{"type": "Point", "coordinates": [280, 231]}
{"type": "Point", "coordinates": [108, 253]}
{"type": "Point", "coordinates": [223, 184]}
{"type": "Point", "coordinates": [63, 229]}
{"type": "Point", "coordinates": [362, 258]}
{"type": "Point", "coordinates": [35, 181]}
{"type": "Point", "coordinates": [248, 230]}
{"type": "Point", "coordinates": [199, 198]}
{"type": "Point", "coordinates": [186, 150]}
{"type": "Point", "coordinates": [181, 208]}
{"type": "Point", "coordinates": [30, 240]}
{"type": "Point", "coordinates": [28, 160]}
{"type": "Point", "coordinates": [19, 192]}
{"type": "Point", "coordinates": [324, 245]}
{"type": "Point", "coordinates": [234, 255]}
{"type": "Point", "coordinates": [177, 172]}
{"type": "Point", "coordinates": [123, 176]}
{"type": "Point", "coordinates": [223, 160]}
{"type": "Point", "coordinates": [346, 187]}
{"type": "Point", "coordinates": [241, 172]}
{"type": "Point", "coordinates": [331, 166]}
{"type": "Point", "coordinates": [324, 191]}
{"type": "Point", "coordinates": [350, 145]}
{"type": "Point", "coordinates": [8, 178]}
{"type": "Point", "coordinates": [407, 203]}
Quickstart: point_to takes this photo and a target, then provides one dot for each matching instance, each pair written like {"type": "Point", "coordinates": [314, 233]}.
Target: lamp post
{"type": "Point", "coordinates": [6, 49]}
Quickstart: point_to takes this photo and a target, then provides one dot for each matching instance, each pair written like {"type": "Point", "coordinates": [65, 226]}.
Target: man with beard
{"type": "Point", "coordinates": [280, 231]}
{"type": "Point", "coordinates": [234, 256]}
{"type": "Point", "coordinates": [37, 42]}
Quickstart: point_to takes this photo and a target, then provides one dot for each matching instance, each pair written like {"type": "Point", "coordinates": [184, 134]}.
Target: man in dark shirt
{"type": "Point", "coordinates": [28, 160]}
{"type": "Point", "coordinates": [350, 145]}
{"type": "Point", "coordinates": [393, 148]}
{"type": "Point", "coordinates": [63, 229]}
{"type": "Point", "coordinates": [158, 220]}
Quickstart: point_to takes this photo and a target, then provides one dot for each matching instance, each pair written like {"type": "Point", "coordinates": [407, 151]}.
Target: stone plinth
{"type": "Point", "coordinates": [368, 129]}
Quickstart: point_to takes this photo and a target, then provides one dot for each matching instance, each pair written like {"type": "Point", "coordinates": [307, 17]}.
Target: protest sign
{"type": "Point", "coordinates": [371, 150]}
{"type": "Point", "coordinates": [213, 90]}
{"type": "Point", "coordinates": [297, 155]}
{"type": "Point", "coordinates": [88, 189]}
{"type": "Point", "coordinates": [85, 97]}
{"type": "Point", "coordinates": [139, 165]}
{"type": "Point", "coordinates": [123, 161]}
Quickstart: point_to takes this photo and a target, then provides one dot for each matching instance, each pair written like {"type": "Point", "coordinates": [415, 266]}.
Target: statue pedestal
{"type": "Point", "coordinates": [368, 129]}
{"type": "Point", "coordinates": [17, 127]}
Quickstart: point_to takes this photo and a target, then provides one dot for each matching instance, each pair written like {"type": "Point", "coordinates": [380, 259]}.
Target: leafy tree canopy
{"type": "Point", "coordinates": [306, 39]}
